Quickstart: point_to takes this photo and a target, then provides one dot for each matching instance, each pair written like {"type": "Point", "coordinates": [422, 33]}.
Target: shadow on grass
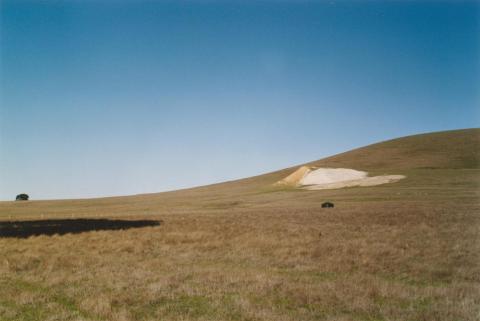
{"type": "Point", "coordinates": [24, 229]}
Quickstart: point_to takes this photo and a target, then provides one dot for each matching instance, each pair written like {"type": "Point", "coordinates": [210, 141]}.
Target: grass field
{"type": "Point", "coordinates": [247, 250]}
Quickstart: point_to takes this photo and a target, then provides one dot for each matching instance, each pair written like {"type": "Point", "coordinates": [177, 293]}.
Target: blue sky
{"type": "Point", "coordinates": [103, 98]}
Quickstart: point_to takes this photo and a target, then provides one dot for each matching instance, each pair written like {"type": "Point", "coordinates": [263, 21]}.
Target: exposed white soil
{"type": "Point", "coordinates": [332, 178]}
{"type": "Point", "coordinates": [331, 175]}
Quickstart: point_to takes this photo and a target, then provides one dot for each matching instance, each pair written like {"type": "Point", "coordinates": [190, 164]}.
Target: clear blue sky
{"type": "Point", "coordinates": [121, 97]}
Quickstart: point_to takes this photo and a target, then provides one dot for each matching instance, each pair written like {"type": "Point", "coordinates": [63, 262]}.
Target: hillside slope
{"type": "Point", "coordinates": [448, 149]}
{"type": "Point", "coordinates": [428, 160]}
{"type": "Point", "coordinates": [455, 149]}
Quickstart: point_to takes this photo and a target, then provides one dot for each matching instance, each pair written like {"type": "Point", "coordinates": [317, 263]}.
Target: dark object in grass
{"type": "Point", "coordinates": [327, 205]}
{"type": "Point", "coordinates": [21, 197]}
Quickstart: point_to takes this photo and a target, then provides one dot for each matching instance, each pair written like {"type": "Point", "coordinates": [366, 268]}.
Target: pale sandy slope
{"type": "Point", "coordinates": [332, 178]}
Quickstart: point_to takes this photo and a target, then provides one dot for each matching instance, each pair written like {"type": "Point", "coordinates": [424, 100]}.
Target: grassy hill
{"type": "Point", "coordinates": [429, 161]}
{"type": "Point", "coordinates": [248, 250]}
{"type": "Point", "coordinates": [456, 149]}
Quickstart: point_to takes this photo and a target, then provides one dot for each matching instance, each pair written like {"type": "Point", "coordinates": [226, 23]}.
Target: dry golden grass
{"type": "Point", "coordinates": [245, 250]}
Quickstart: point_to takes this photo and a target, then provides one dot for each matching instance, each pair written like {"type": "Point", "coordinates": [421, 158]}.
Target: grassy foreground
{"type": "Point", "coordinates": [245, 250]}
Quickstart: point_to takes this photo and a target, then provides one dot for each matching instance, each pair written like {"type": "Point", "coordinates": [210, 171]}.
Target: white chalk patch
{"type": "Point", "coordinates": [331, 175]}
{"type": "Point", "coordinates": [333, 178]}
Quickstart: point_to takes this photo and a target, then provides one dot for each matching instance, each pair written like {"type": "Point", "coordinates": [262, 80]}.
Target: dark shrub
{"type": "Point", "coordinates": [22, 197]}
{"type": "Point", "coordinates": [327, 205]}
